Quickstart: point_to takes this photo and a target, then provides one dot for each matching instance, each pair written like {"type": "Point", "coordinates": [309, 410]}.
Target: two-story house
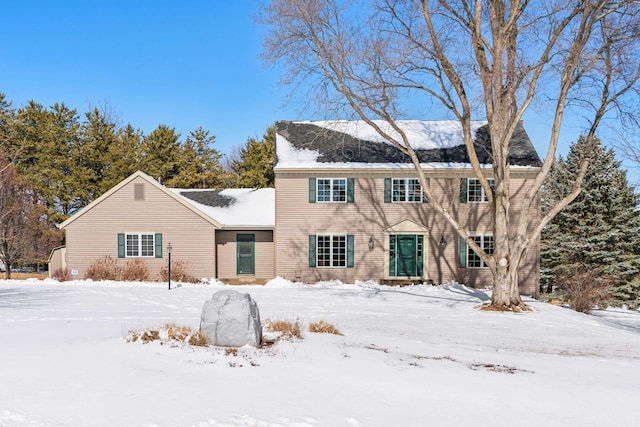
{"type": "Point", "coordinates": [347, 205]}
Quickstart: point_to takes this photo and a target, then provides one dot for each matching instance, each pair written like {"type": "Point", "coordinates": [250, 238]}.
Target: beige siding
{"type": "Point", "coordinates": [369, 216]}
{"type": "Point", "coordinates": [93, 235]}
{"type": "Point", "coordinates": [227, 256]}
{"type": "Point", "coordinates": [57, 260]}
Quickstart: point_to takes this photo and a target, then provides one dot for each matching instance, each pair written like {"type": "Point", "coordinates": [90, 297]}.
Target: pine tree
{"type": "Point", "coordinates": [254, 163]}
{"type": "Point", "coordinates": [125, 155]}
{"type": "Point", "coordinates": [99, 135]}
{"type": "Point", "coordinates": [48, 154]}
{"type": "Point", "coordinates": [600, 229]}
{"type": "Point", "coordinates": [200, 165]}
{"type": "Point", "coordinates": [161, 152]}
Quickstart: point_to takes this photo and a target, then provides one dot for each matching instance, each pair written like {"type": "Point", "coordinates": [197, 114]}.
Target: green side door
{"type": "Point", "coordinates": [245, 244]}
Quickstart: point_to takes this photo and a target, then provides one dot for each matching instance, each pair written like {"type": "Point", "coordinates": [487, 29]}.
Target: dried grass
{"type": "Point", "coordinates": [286, 328]}
{"type": "Point", "coordinates": [322, 327]}
{"type": "Point", "coordinates": [172, 332]}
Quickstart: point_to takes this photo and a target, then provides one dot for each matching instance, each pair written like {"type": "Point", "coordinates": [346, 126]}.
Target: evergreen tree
{"type": "Point", "coordinates": [253, 165]}
{"type": "Point", "coordinates": [125, 155]}
{"type": "Point", "coordinates": [600, 229]}
{"type": "Point", "coordinates": [99, 135]}
{"type": "Point", "coordinates": [161, 152]}
{"type": "Point", "coordinates": [7, 123]}
{"type": "Point", "coordinates": [200, 165]}
{"type": "Point", "coordinates": [48, 154]}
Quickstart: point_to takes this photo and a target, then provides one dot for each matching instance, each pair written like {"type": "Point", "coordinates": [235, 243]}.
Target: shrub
{"type": "Point", "coordinates": [61, 274]}
{"type": "Point", "coordinates": [286, 328]}
{"type": "Point", "coordinates": [135, 270]}
{"type": "Point", "coordinates": [323, 327]}
{"type": "Point", "coordinates": [179, 273]}
{"type": "Point", "coordinates": [105, 268]}
{"type": "Point", "coordinates": [586, 288]}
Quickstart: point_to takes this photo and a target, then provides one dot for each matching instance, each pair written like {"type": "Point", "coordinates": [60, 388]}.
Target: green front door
{"type": "Point", "coordinates": [245, 253]}
{"type": "Point", "coordinates": [405, 255]}
{"type": "Point", "coordinates": [406, 259]}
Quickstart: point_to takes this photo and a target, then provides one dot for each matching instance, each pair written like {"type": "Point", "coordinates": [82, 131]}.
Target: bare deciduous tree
{"type": "Point", "coordinates": [386, 59]}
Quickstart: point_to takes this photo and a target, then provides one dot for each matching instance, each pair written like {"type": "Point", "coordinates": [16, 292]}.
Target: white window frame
{"type": "Point", "coordinates": [477, 187]}
{"type": "Point", "coordinates": [406, 188]}
{"type": "Point", "coordinates": [485, 241]}
{"type": "Point", "coordinates": [336, 252]}
{"type": "Point", "coordinates": [334, 191]}
{"type": "Point", "coordinates": [138, 249]}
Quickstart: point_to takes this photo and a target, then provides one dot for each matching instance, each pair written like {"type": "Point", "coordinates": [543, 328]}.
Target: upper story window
{"type": "Point", "coordinates": [406, 190]}
{"type": "Point", "coordinates": [403, 190]}
{"type": "Point", "coordinates": [471, 191]}
{"type": "Point", "coordinates": [331, 190]}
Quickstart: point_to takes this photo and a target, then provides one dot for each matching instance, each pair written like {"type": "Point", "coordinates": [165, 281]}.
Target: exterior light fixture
{"type": "Point", "coordinates": [442, 243]}
{"type": "Point", "coordinates": [169, 250]}
{"type": "Point", "coordinates": [371, 243]}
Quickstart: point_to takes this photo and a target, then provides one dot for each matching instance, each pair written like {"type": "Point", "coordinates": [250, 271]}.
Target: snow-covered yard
{"type": "Point", "coordinates": [416, 356]}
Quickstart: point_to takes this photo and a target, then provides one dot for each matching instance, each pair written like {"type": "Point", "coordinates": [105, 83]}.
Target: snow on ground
{"type": "Point", "coordinates": [412, 356]}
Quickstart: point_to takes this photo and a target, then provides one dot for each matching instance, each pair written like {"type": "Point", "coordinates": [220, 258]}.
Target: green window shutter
{"type": "Point", "coordinates": [350, 190]}
{"type": "Point", "coordinates": [312, 190]}
{"type": "Point", "coordinates": [463, 190]}
{"type": "Point", "coordinates": [492, 185]}
{"type": "Point", "coordinates": [387, 190]}
{"type": "Point", "coordinates": [420, 255]}
{"type": "Point", "coordinates": [425, 199]}
{"type": "Point", "coordinates": [158, 243]}
{"type": "Point", "coordinates": [121, 248]}
{"type": "Point", "coordinates": [392, 256]}
{"type": "Point", "coordinates": [350, 244]}
{"type": "Point", "coordinates": [463, 253]}
{"type": "Point", "coordinates": [312, 250]}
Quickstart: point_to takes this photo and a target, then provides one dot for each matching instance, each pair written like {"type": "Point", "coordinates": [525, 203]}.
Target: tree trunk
{"type": "Point", "coordinates": [505, 295]}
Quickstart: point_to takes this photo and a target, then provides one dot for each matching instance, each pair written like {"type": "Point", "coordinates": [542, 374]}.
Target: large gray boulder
{"type": "Point", "coordinates": [231, 319]}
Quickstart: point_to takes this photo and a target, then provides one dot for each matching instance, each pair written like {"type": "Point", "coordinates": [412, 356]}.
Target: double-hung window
{"type": "Point", "coordinates": [331, 190]}
{"type": "Point", "coordinates": [471, 190]}
{"type": "Point", "coordinates": [146, 245]}
{"type": "Point", "coordinates": [406, 190]}
{"type": "Point", "coordinates": [140, 245]}
{"type": "Point", "coordinates": [331, 250]}
{"type": "Point", "coordinates": [468, 258]}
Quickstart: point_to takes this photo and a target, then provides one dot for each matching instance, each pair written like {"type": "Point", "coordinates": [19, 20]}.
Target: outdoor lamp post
{"type": "Point", "coordinates": [169, 249]}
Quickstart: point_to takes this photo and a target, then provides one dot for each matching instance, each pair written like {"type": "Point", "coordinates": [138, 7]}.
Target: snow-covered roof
{"type": "Point", "coordinates": [356, 144]}
{"type": "Point", "coordinates": [422, 134]}
{"type": "Point", "coordinates": [234, 207]}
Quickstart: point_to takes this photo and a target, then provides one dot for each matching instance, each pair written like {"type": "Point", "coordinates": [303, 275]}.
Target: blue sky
{"type": "Point", "coordinates": [182, 63]}
{"type": "Point", "coordinates": [185, 64]}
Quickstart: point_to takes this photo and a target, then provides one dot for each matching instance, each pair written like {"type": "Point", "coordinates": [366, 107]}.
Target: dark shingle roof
{"type": "Point", "coordinates": [211, 198]}
{"type": "Point", "coordinates": [338, 147]}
